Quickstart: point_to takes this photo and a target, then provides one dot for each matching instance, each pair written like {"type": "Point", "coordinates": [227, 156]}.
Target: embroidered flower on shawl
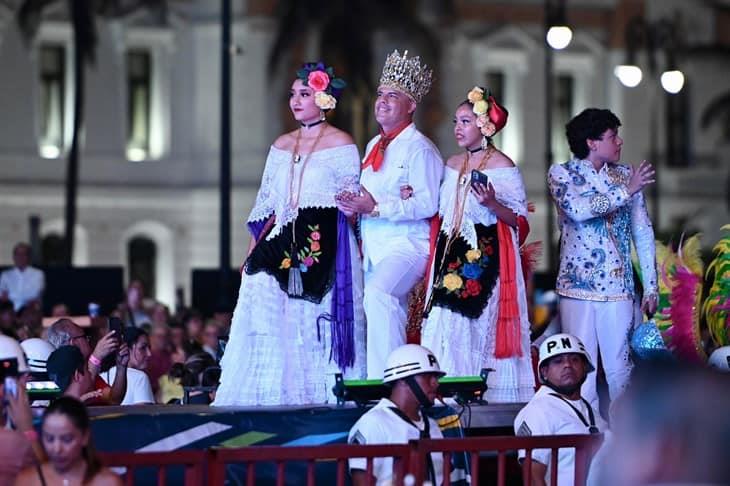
{"type": "Point", "coordinates": [472, 270]}
{"type": "Point", "coordinates": [473, 255]}
{"type": "Point", "coordinates": [309, 254]}
{"type": "Point", "coordinates": [452, 282]}
{"type": "Point", "coordinates": [473, 287]}
{"type": "Point", "coordinates": [285, 264]}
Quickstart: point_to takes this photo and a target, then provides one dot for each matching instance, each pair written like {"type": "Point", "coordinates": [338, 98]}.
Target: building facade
{"type": "Point", "coordinates": [148, 194]}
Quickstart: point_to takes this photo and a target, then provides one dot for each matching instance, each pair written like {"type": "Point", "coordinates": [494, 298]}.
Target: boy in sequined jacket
{"type": "Point", "coordinates": [601, 212]}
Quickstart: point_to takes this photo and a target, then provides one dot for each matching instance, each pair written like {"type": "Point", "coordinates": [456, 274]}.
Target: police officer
{"type": "Point", "coordinates": [558, 407]}
{"type": "Point", "coordinates": [412, 373]}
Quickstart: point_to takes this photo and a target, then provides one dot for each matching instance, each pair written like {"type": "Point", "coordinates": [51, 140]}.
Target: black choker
{"type": "Point", "coordinates": [473, 151]}
{"type": "Point", "coordinates": [311, 124]}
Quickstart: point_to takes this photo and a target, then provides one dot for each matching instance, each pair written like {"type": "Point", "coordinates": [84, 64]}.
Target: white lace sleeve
{"type": "Point", "coordinates": [509, 189]}
{"type": "Point", "coordinates": [348, 172]}
{"type": "Point", "coordinates": [263, 206]}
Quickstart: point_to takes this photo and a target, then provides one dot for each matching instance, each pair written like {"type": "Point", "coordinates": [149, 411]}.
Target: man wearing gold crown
{"type": "Point", "coordinates": [400, 180]}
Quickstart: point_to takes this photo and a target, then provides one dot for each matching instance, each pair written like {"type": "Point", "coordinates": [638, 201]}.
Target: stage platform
{"type": "Point", "coordinates": [173, 427]}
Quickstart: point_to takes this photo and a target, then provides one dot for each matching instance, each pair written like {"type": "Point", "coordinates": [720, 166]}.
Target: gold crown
{"type": "Point", "coordinates": [407, 75]}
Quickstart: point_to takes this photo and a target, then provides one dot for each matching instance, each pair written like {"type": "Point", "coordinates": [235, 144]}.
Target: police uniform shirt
{"type": "Point", "coordinates": [381, 425]}
{"type": "Point", "coordinates": [547, 414]}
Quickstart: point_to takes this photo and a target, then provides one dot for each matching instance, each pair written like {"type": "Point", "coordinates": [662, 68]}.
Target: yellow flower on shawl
{"type": "Point", "coordinates": [285, 263]}
{"type": "Point", "coordinates": [452, 282]}
{"type": "Point", "coordinates": [473, 255]}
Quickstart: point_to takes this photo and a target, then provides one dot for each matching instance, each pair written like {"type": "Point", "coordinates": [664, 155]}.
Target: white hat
{"type": "Point", "coordinates": [9, 348]}
{"type": "Point", "coordinates": [720, 359]}
{"type": "Point", "coordinates": [558, 344]}
{"type": "Point", "coordinates": [409, 360]}
{"type": "Point", "coordinates": [37, 351]}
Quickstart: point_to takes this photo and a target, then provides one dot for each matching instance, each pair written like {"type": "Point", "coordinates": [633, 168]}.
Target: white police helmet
{"type": "Point", "coordinates": [409, 360]}
{"type": "Point", "coordinates": [9, 348]}
{"type": "Point", "coordinates": [37, 351]}
{"type": "Point", "coordinates": [720, 359]}
{"type": "Point", "coordinates": [558, 344]}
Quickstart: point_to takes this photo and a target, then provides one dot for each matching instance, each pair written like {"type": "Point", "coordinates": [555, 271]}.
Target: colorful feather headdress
{"type": "Point", "coordinates": [680, 275]}
{"type": "Point", "coordinates": [717, 304]}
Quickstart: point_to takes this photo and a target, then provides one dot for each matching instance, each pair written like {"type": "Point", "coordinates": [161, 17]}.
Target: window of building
{"type": "Point", "coordinates": [562, 111]}
{"type": "Point", "coordinates": [52, 99]}
{"type": "Point", "coordinates": [52, 252]}
{"type": "Point", "coordinates": [142, 255]}
{"type": "Point", "coordinates": [679, 132]}
{"type": "Point", "coordinates": [139, 98]}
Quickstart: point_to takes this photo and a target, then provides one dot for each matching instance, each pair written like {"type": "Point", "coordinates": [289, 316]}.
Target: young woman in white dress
{"type": "Point", "coordinates": [475, 304]}
{"type": "Point", "coordinates": [299, 317]}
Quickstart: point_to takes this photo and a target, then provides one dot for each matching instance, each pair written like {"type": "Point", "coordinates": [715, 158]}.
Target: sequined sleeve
{"type": "Point", "coordinates": [263, 207]}
{"type": "Point", "coordinates": [643, 235]}
{"type": "Point", "coordinates": [578, 200]}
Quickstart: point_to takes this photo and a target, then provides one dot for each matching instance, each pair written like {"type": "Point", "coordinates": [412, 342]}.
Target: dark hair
{"type": "Point", "coordinates": [76, 412]}
{"type": "Point", "coordinates": [132, 335]}
{"type": "Point", "coordinates": [588, 124]}
{"type": "Point", "coordinates": [190, 373]}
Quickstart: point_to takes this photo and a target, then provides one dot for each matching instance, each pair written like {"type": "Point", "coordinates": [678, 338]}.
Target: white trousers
{"type": "Point", "coordinates": [602, 327]}
{"type": "Point", "coordinates": [385, 300]}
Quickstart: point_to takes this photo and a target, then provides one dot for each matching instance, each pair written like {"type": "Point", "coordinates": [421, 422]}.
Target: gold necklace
{"type": "Point", "coordinates": [462, 188]}
{"type": "Point", "coordinates": [295, 159]}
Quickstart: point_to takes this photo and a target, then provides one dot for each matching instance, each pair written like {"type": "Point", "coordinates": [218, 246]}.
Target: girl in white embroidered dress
{"type": "Point", "coordinates": [463, 296]}
{"type": "Point", "coordinates": [288, 336]}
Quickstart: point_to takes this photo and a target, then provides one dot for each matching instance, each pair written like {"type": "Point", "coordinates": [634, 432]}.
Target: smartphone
{"type": "Point", "coordinates": [116, 325]}
{"type": "Point", "coordinates": [479, 177]}
{"type": "Point", "coordinates": [9, 370]}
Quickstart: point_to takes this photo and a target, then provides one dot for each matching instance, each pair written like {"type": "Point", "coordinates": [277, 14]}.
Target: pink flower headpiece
{"type": "Point", "coordinates": [327, 88]}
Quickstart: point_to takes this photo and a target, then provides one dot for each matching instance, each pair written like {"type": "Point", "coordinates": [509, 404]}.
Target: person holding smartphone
{"type": "Point", "coordinates": [19, 445]}
{"type": "Point", "coordinates": [476, 306]}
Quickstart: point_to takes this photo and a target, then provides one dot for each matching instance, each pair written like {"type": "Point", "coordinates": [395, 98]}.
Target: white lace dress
{"type": "Point", "coordinates": [277, 354]}
{"type": "Point", "coordinates": [464, 346]}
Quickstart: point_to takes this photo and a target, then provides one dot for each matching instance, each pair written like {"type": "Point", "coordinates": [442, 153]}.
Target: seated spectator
{"type": "Point", "coordinates": [182, 346]}
{"type": "Point", "coordinates": [71, 456]}
{"type": "Point", "coordinates": [18, 440]}
{"type": "Point", "coordinates": [161, 348]}
{"type": "Point", "coordinates": [191, 375]}
{"type": "Point", "coordinates": [60, 310]}
{"type": "Point", "coordinates": [133, 311]}
{"type": "Point", "coordinates": [160, 314]}
{"type": "Point", "coordinates": [210, 339]}
{"type": "Point", "coordinates": [193, 323]}
{"type": "Point", "coordinates": [8, 322]}
{"type": "Point", "coordinates": [29, 322]}
{"type": "Point", "coordinates": [22, 284]}
{"type": "Point", "coordinates": [66, 366]}
{"type": "Point", "coordinates": [139, 390]}
{"type": "Point", "coordinates": [670, 427]}
{"type": "Point", "coordinates": [65, 332]}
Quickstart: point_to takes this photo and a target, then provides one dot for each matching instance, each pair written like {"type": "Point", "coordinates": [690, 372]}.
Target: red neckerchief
{"type": "Point", "coordinates": [377, 154]}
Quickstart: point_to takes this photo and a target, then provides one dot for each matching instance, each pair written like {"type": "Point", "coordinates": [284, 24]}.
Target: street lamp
{"type": "Point", "coordinates": [557, 36]}
{"type": "Point", "coordinates": [661, 36]}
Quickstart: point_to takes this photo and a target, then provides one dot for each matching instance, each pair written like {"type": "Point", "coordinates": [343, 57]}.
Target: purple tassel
{"type": "Point", "coordinates": [342, 316]}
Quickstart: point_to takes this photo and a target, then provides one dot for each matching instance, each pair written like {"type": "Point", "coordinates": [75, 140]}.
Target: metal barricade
{"type": "Point", "coordinates": [193, 463]}
{"type": "Point", "coordinates": [280, 455]}
{"type": "Point", "coordinates": [584, 445]}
